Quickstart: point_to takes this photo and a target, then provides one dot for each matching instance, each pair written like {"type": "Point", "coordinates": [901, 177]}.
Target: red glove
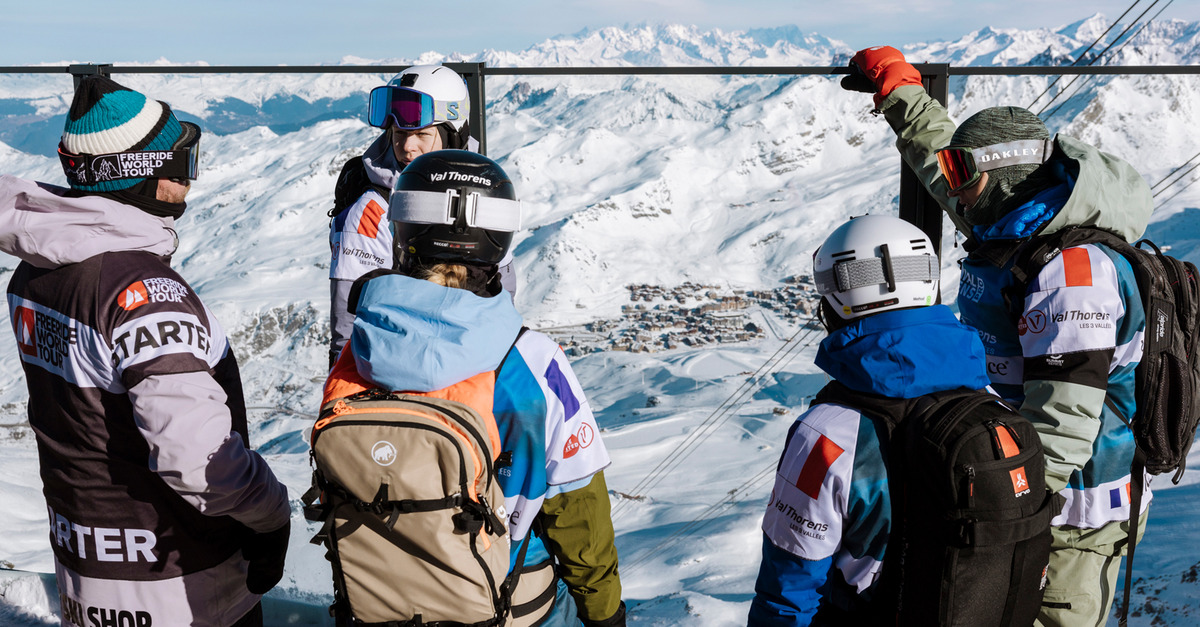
{"type": "Point", "coordinates": [886, 68]}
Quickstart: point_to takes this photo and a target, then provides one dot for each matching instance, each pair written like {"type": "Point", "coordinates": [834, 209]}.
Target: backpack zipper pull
{"type": "Point", "coordinates": [1005, 442]}
{"type": "Point", "coordinates": [969, 470]}
{"type": "Point", "coordinates": [340, 407]}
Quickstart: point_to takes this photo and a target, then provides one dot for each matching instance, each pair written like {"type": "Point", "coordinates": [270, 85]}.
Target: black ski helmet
{"type": "Point", "coordinates": [453, 206]}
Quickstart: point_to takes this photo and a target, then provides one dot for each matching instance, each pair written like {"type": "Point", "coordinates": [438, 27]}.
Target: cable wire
{"type": "Point", "coordinates": [1172, 173]}
{"type": "Point", "coordinates": [1094, 60]}
{"type": "Point", "coordinates": [726, 410]}
{"type": "Point", "coordinates": [1084, 53]}
{"type": "Point", "coordinates": [701, 521]}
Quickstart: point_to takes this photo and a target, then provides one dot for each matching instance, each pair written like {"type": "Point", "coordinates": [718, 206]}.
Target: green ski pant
{"type": "Point", "coordinates": [1082, 576]}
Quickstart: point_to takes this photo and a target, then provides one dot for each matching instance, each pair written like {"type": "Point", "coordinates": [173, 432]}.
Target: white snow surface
{"type": "Point", "coordinates": [723, 180]}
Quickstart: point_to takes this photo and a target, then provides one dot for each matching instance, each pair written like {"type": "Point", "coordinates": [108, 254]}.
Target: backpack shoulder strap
{"type": "Point", "coordinates": [892, 411]}
{"type": "Point", "coordinates": [1033, 255]}
{"type": "Point", "coordinates": [352, 183]}
{"type": "Point", "coordinates": [511, 348]}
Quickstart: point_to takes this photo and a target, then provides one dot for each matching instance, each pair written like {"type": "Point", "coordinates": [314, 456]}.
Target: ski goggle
{"type": "Point", "coordinates": [451, 207]}
{"type": "Point", "coordinates": [181, 162]}
{"type": "Point", "coordinates": [409, 109]}
{"type": "Point", "coordinates": [963, 166]}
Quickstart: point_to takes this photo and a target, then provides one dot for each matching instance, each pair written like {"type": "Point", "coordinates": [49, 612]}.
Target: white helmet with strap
{"type": "Point", "coordinates": [876, 263]}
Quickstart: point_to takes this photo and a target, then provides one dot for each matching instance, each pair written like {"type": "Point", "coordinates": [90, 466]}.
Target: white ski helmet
{"type": "Point", "coordinates": [419, 97]}
{"type": "Point", "coordinates": [876, 263]}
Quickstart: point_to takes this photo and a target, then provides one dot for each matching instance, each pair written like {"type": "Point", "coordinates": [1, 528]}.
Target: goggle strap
{"type": "Point", "coordinates": [484, 212]}
{"type": "Point", "coordinates": [848, 275]}
{"type": "Point", "coordinates": [497, 214]}
{"type": "Point", "coordinates": [134, 164]}
{"type": "Point", "coordinates": [1027, 151]}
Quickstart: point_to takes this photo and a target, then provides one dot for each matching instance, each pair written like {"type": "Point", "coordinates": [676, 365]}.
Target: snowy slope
{"type": "Point", "coordinates": [728, 181]}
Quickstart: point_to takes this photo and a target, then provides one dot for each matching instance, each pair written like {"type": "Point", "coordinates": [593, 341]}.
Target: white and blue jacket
{"type": "Point", "coordinates": [1079, 337]}
{"type": "Point", "coordinates": [826, 528]}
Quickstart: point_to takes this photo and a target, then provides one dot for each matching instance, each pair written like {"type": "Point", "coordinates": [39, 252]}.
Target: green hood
{"type": "Point", "coordinates": [1108, 193]}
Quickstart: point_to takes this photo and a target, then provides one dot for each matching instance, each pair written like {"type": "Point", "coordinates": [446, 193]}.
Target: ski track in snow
{"type": "Point", "coordinates": [649, 179]}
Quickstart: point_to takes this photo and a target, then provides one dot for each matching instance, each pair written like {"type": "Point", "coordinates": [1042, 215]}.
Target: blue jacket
{"type": "Point", "coordinates": [826, 528]}
{"type": "Point", "coordinates": [415, 335]}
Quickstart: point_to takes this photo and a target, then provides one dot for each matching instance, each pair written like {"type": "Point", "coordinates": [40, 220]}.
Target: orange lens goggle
{"type": "Point", "coordinates": [958, 166]}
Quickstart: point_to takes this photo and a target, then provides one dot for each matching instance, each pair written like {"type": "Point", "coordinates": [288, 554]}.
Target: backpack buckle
{"type": "Point", "coordinates": [966, 531]}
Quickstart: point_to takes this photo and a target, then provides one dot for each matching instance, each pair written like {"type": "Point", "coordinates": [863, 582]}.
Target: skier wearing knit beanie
{"type": "Point", "coordinates": [1005, 181]}
{"type": "Point", "coordinates": [160, 513]}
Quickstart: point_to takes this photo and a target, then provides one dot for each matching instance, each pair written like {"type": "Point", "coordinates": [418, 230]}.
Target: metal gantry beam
{"type": "Point", "coordinates": [916, 205]}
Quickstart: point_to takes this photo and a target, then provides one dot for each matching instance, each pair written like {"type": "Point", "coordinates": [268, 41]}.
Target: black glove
{"type": "Point", "coordinates": [858, 81]}
{"type": "Point", "coordinates": [616, 620]}
{"type": "Point", "coordinates": [265, 552]}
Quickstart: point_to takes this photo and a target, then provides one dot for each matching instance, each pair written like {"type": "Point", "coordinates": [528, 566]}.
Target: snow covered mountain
{"type": "Point", "coordinates": [722, 181]}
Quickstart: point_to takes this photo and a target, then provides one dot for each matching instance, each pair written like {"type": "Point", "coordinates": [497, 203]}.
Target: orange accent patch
{"type": "Point", "coordinates": [369, 224]}
{"type": "Point", "coordinates": [133, 297]}
{"type": "Point", "coordinates": [1005, 442]}
{"type": "Point", "coordinates": [1077, 267]}
{"type": "Point", "coordinates": [820, 458]}
{"type": "Point", "coordinates": [24, 323]}
{"type": "Point", "coordinates": [1019, 481]}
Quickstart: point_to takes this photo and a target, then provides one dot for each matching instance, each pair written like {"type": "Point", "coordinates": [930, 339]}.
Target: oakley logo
{"type": "Point", "coordinates": [1009, 154]}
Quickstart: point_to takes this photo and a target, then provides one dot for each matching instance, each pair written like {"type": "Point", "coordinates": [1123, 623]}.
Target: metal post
{"type": "Point", "coordinates": [81, 70]}
{"type": "Point", "coordinates": [916, 205]}
{"type": "Point", "coordinates": [473, 73]}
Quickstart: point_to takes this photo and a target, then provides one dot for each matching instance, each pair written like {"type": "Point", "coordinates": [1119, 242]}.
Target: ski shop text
{"type": "Point", "coordinates": [74, 613]}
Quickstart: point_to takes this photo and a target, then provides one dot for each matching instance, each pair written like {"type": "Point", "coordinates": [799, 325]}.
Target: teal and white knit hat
{"type": "Point", "coordinates": [106, 117]}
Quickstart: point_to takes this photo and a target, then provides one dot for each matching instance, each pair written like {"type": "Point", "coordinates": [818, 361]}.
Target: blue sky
{"type": "Point", "coordinates": [302, 32]}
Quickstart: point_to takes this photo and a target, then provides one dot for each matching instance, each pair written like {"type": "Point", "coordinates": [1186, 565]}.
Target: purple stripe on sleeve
{"type": "Point", "coordinates": [562, 389]}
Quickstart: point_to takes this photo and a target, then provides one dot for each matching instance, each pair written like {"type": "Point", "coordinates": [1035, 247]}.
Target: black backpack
{"type": "Point", "coordinates": [352, 183]}
{"type": "Point", "coordinates": [970, 539]}
{"type": "Point", "coordinates": [1168, 375]}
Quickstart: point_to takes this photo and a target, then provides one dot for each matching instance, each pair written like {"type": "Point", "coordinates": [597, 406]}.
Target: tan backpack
{"type": "Point", "coordinates": [414, 516]}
